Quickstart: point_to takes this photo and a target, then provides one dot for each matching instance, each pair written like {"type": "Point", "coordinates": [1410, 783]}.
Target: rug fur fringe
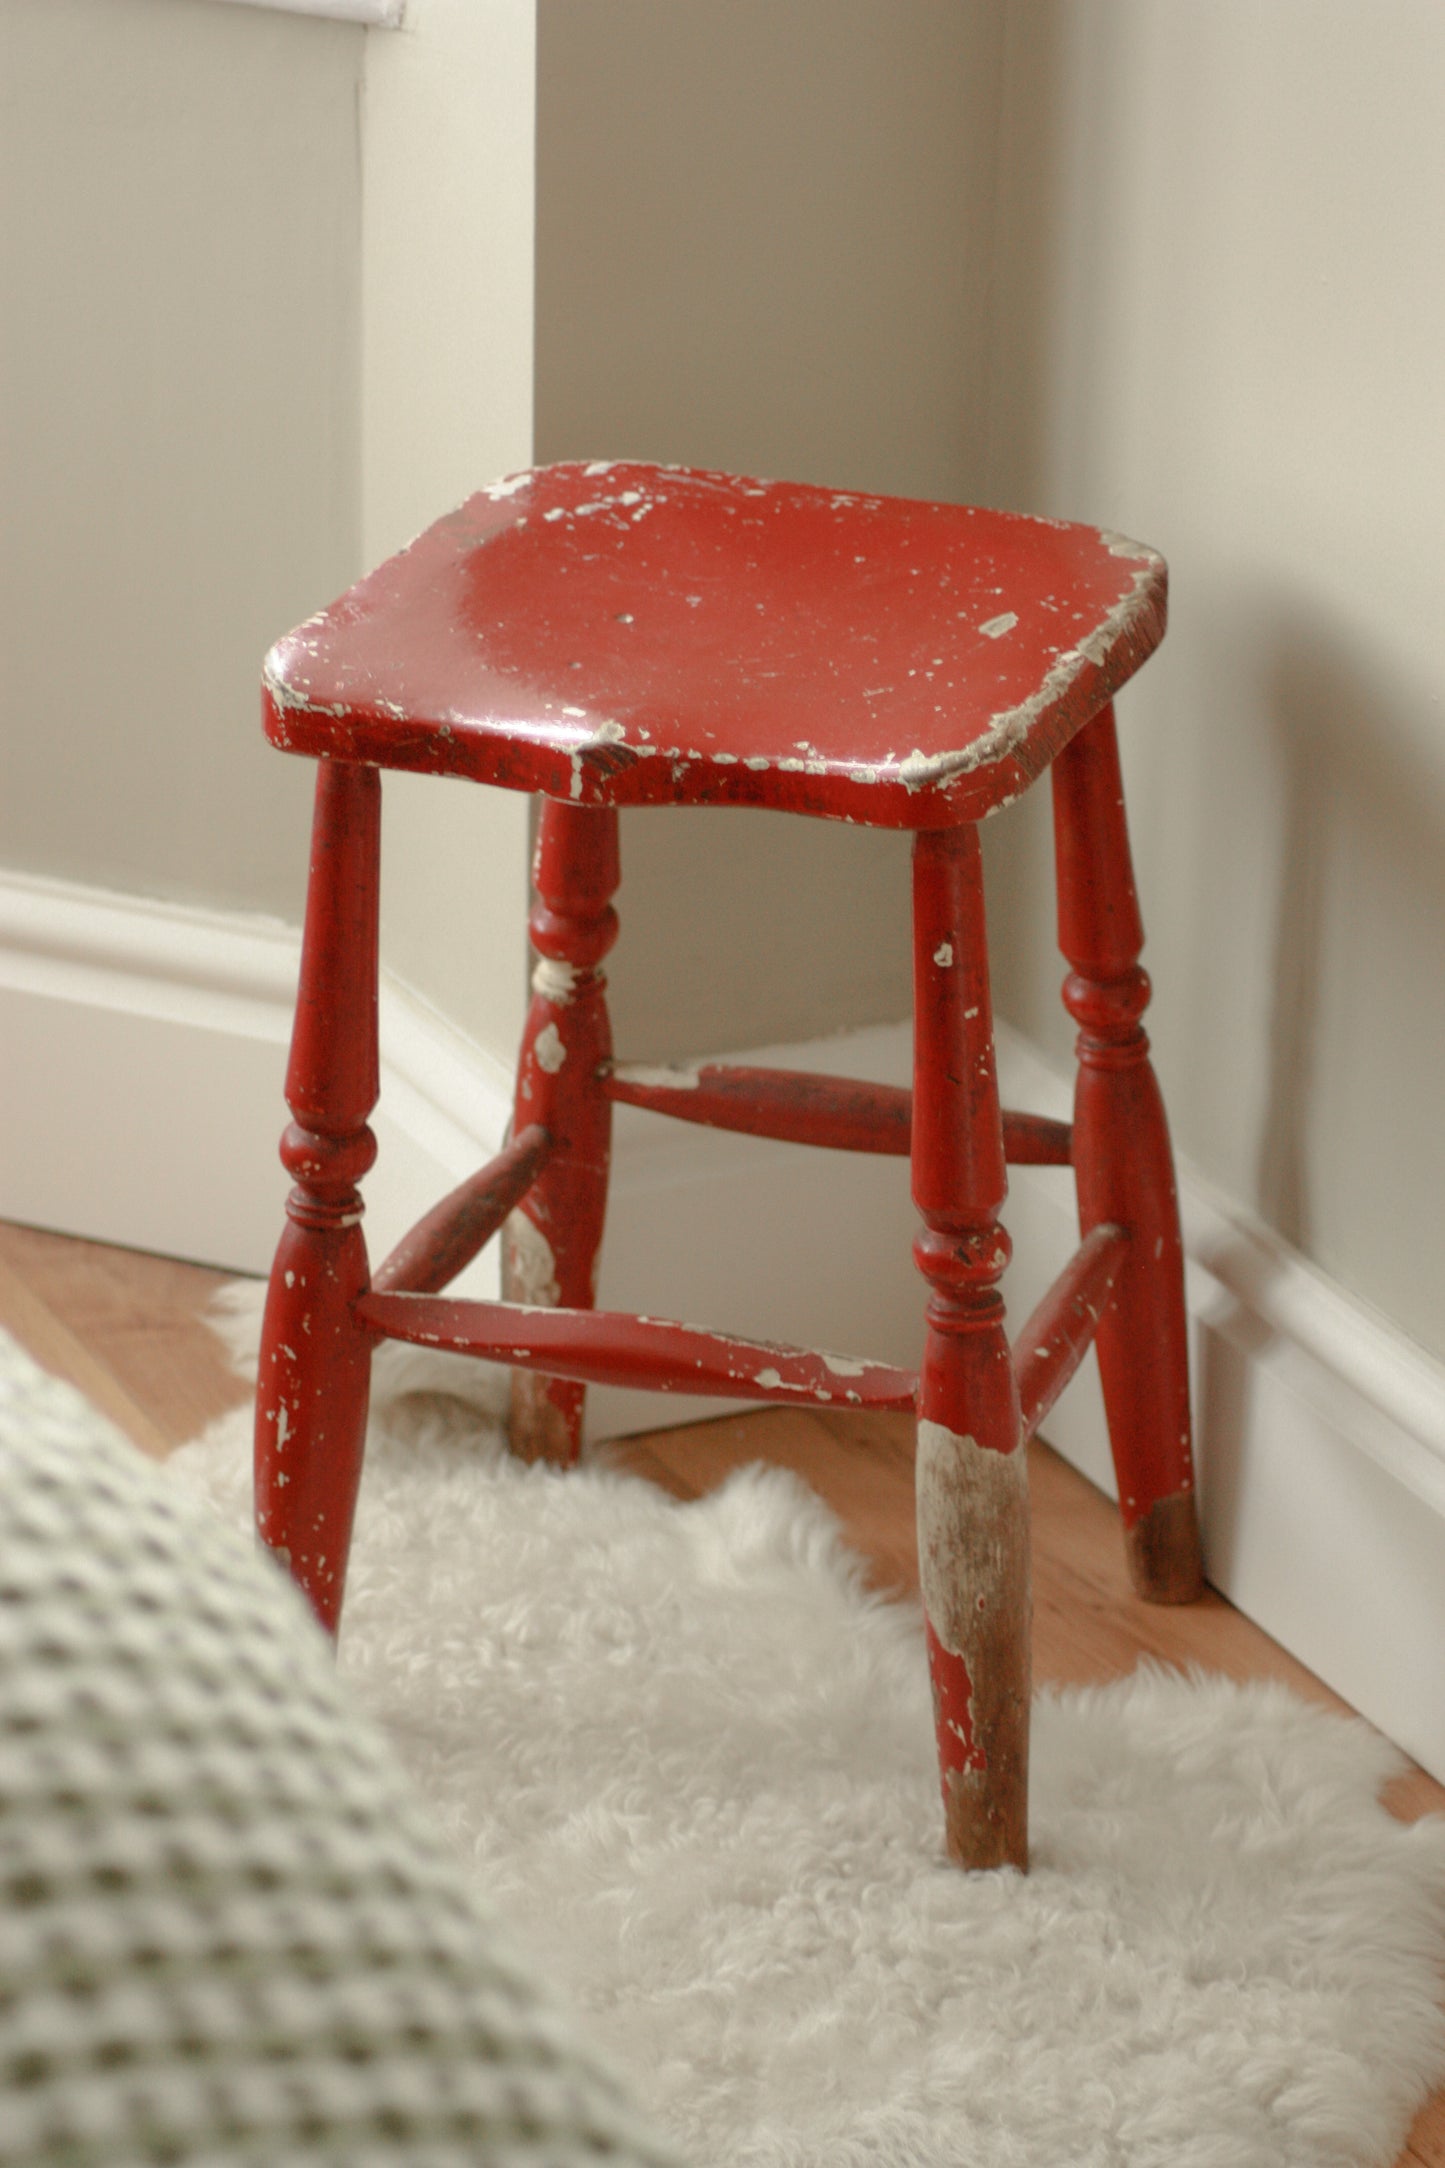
{"type": "Point", "coordinates": [690, 1755]}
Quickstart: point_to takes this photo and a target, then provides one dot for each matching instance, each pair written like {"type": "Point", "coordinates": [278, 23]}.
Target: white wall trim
{"type": "Point", "coordinates": [144, 1047]}
{"type": "Point", "coordinates": [141, 1054]}
{"type": "Point", "coordinates": [1321, 1440]}
{"type": "Point", "coordinates": [1352, 1346]}
{"type": "Point", "coordinates": [382, 14]}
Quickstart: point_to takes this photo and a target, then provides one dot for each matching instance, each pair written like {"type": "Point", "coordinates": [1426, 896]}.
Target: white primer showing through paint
{"type": "Point", "coordinates": [845, 1366]}
{"type": "Point", "coordinates": [973, 1534]}
{"type": "Point", "coordinates": [549, 1050]}
{"type": "Point", "coordinates": [555, 981]}
{"type": "Point", "coordinates": [679, 1079]}
{"type": "Point", "coordinates": [531, 1267]}
{"type": "Point", "coordinates": [926, 771]}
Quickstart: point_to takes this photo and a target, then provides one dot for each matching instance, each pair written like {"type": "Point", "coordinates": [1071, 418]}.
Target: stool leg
{"type": "Point", "coordinates": [315, 1371]}
{"type": "Point", "coordinates": [555, 1235]}
{"type": "Point", "coordinates": [972, 1496]}
{"type": "Point", "coordinates": [1125, 1170]}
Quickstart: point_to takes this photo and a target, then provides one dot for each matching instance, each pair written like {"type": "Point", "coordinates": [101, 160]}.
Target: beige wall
{"type": "Point", "coordinates": [266, 296]}
{"type": "Point", "coordinates": [1174, 268]}
{"type": "Point", "coordinates": [1220, 318]}
{"type": "Point", "coordinates": [179, 292]}
{"type": "Point", "coordinates": [448, 154]}
{"type": "Point", "coordinates": [764, 243]}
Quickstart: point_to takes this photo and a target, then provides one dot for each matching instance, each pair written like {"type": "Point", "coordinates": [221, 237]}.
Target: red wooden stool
{"type": "Point", "coordinates": [617, 635]}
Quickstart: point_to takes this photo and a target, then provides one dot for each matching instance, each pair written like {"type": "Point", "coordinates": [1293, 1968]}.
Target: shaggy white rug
{"type": "Point", "coordinates": [690, 1755]}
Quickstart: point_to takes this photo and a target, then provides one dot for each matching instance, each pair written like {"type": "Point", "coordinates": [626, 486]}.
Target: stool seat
{"type": "Point", "coordinates": [613, 633]}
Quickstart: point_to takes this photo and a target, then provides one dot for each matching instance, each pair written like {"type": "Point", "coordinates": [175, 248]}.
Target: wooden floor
{"type": "Point", "coordinates": [128, 1330]}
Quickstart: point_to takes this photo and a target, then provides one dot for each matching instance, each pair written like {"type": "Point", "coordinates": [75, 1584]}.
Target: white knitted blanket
{"type": "Point", "coordinates": [227, 1935]}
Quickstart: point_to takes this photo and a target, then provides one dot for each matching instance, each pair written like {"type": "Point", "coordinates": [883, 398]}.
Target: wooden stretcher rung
{"type": "Point", "coordinates": [1058, 1335]}
{"type": "Point", "coordinates": [607, 1347]}
{"type": "Point", "coordinates": [1036, 1140]}
{"type": "Point", "coordinates": [794, 1106]}
{"type": "Point", "coordinates": [444, 1243]}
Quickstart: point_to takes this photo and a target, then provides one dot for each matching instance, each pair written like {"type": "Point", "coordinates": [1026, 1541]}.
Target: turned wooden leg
{"type": "Point", "coordinates": [554, 1237]}
{"type": "Point", "coordinates": [315, 1370]}
{"type": "Point", "coordinates": [1125, 1170]}
{"type": "Point", "coordinates": [973, 1536]}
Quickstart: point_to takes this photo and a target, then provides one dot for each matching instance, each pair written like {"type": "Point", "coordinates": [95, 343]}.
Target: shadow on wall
{"type": "Point", "coordinates": [1303, 799]}
{"type": "Point", "coordinates": [1351, 1165]}
{"type": "Point", "coordinates": [1028, 240]}
{"type": "Point", "coordinates": [1022, 431]}
{"type": "Point", "coordinates": [1304, 704]}
{"type": "Point", "coordinates": [765, 243]}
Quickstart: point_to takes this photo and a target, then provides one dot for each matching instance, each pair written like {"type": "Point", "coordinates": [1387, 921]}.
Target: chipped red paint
{"type": "Point", "coordinates": [1123, 1166]}
{"type": "Point", "coordinates": [314, 1378]}
{"type": "Point", "coordinates": [554, 1237]}
{"type": "Point", "coordinates": [608, 1347]}
{"type": "Point", "coordinates": [1061, 1330]}
{"type": "Point", "coordinates": [655, 635]}
{"type": "Point", "coordinates": [972, 1526]}
{"type": "Point", "coordinates": [793, 1107]}
{"type": "Point", "coordinates": [445, 1242]}
{"type": "Point", "coordinates": [626, 635]}
{"type": "Point", "coordinates": [802, 1107]}
{"type": "Point", "coordinates": [959, 1753]}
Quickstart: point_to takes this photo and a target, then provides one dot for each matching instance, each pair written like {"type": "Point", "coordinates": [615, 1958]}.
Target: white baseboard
{"type": "Point", "coordinates": [142, 1052]}
{"type": "Point", "coordinates": [141, 1057]}
{"type": "Point", "coordinates": [385, 14]}
{"type": "Point", "coordinates": [1320, 1437]}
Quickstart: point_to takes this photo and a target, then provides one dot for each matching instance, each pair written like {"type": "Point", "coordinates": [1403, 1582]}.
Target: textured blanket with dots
{"type": "Point", "coordinates": [227, 1935]}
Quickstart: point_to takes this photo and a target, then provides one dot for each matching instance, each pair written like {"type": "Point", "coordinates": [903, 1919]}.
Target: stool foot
{"type": "Point", "coordinates": [554, 1237]}
{"type": "Point", "coordinates": [1124, 1170]}
{"type": "Point", "coordinates": [544, 1417]}
{"type": "Point", "coordinates": [1163, 1551]}
{"type": "Point", "coordinates": [973, 1546]}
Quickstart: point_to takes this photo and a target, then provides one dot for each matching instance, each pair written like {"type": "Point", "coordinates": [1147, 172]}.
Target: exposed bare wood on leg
{"type": "Point", "coordinates": [972, 1500]}
{"type": "Point", "coordinates": [554, 1236]}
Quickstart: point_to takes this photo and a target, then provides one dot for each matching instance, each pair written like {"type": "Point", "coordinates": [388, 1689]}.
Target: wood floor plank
{"type": "Point", "coordinates": [57, 1349]}
{"type": "Point", "coordinates": [128, 1330]}
{"type": "Point", "coordinates": [1426, 2145]}
{"type": "Point", "coordinates": [635, 1457]}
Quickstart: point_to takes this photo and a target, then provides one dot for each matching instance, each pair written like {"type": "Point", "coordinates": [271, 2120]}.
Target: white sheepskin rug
{"type": "Point", "coordinates": [691, 1756]}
